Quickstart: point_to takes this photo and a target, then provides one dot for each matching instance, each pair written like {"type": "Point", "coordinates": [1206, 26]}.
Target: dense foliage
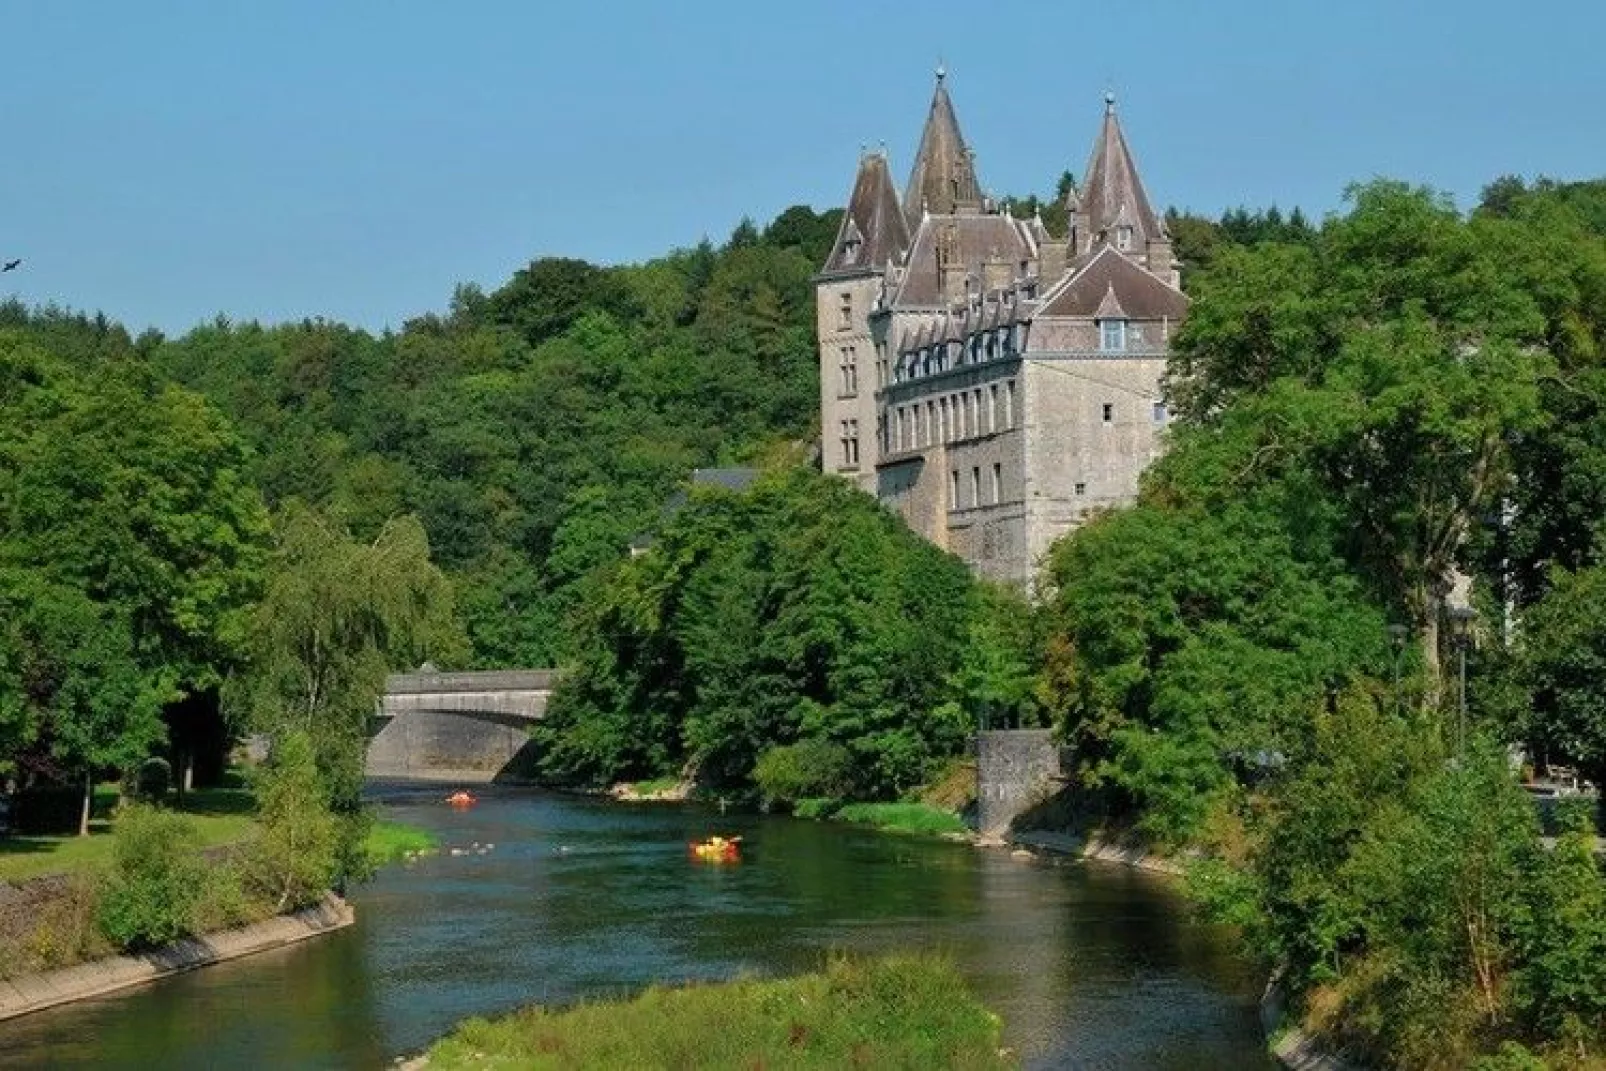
{"type": "Point", "coordinates": [798, 615]}
{"type": "Point", "coordinates": [131, 552]}
{"type": "Point", "coordinates": [536, 429]}
{"type": "Point", "coordinates": [1257, 656]}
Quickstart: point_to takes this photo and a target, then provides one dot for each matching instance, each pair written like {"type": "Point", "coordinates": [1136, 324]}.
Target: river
{"type": "Point", "coordinates": [1090, 965]}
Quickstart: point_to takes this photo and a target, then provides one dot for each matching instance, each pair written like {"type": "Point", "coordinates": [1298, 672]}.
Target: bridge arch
{"type": "Point", "coordinates": [463, 727]}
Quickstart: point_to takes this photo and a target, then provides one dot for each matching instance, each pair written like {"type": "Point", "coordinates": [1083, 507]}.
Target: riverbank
{"type": "Point", "coordinates": [896, 1012]}
{"type": "Point", "coordinates": [28, 993]}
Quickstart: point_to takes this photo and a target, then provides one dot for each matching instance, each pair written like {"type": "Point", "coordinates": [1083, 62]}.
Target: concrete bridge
{"type": "Point", "coordinates": [464, 727]}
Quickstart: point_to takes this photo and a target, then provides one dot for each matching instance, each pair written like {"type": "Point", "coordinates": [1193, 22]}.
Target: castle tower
{"type": "Point", "coordinates": [1112, 206]}
{"type": "Point", "coordinates": [873, 235]}
{"type": "Point", "coordinates": [992, 384]}
{"type": "Point", "coordinates": [943, 180]}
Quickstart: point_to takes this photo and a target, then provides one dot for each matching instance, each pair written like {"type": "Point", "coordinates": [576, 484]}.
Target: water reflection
{"type": "Point", "coordinates": [1090, 967]}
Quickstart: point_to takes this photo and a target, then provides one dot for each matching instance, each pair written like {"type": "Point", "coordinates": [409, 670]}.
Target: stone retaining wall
{"type": "Point", "coordinates": [1013, 768]}
{"type": "Point", "coordinates": [35, 992]}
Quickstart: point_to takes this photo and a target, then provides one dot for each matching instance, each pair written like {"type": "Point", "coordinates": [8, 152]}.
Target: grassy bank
{"type": "Point", "coordinates": [390, 842]}
{"type": "Point", "coordinates": [900, 1012]}
{"type": "Point", "coordinates": [904, 818]}
{"type": "Point", "coordinates": [220, 815]}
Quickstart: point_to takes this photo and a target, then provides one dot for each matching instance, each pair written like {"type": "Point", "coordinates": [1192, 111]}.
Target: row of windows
{"type": "Point", "coordinates": [941, 356]}
{"type": "Point", "coordinates": [995, 488]}
{"type": "Point", "coordinates": [962, 415]}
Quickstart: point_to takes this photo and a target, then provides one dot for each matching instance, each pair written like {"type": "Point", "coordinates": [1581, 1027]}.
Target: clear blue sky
{"type": "Point", "coordinates": [173, 159]}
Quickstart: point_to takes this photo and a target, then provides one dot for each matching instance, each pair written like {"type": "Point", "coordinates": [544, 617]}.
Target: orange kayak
{"type": "Point", "coordinates": [460, 799]}
{"type": "Point", "coordinates": [716, 850]}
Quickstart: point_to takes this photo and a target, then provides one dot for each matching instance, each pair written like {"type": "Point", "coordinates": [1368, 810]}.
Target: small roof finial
{"type": "Point", "coordinates": [1109, 102]}
{"type": "Point", "coordinates": [942, 72]}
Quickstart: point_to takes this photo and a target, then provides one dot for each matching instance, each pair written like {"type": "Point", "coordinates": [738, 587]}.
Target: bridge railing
{"type": "Point", "coordinates": [502, 680]}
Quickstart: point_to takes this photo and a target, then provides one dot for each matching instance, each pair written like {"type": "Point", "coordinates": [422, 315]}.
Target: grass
{"type": "Point", "coordinates": [903, 818]}
{"type": "Point", "coordinates": [390, 842]}
{"type": "Point", "coordinates": [221, 815]}
{"type": "Point", "coordinates": [899, 1012]}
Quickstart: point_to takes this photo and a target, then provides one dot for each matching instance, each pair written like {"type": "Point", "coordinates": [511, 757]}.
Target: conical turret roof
{"type": "Point", "coordinates": [873, 233]}
{"type": "Point", "coordinates": [1112, 194]}
{"type": "Point", "coordinates": [944, 177]}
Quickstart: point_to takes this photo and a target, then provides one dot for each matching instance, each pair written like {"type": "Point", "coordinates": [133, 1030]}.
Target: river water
{"type": "Point", "coordinates": [1090, 966]}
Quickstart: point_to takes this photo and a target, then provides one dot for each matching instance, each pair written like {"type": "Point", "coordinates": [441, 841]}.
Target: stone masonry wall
{"type": "Point", "coordinates": [438, 745]}
{"type": "Point", "coordinates": [1013, 766]}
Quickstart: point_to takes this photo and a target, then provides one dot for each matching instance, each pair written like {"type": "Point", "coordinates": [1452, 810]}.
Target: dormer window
{"type": "Point", "coordinates": [1112, 336]}
{"type": "Point", "coordinates": [1123, 237]}
{"type": "Point", "coordinates": [850, 249]}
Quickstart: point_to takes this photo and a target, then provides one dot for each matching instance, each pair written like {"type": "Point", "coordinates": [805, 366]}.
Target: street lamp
{"type": "Point", "coordinates": [1461, 618]}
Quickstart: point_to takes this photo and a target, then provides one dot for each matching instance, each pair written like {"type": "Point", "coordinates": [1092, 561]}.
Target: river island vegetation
{"type": "Point", "coordinates": [898, 1012]}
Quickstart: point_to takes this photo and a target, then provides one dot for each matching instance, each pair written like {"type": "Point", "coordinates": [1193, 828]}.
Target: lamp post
{"type": "Point", "coordinates": [1461, 617]}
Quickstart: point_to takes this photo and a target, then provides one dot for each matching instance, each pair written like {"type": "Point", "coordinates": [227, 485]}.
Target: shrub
{"type": "Point", "coordinates": [807, 769]}
{"type": "Point", "coordinates": [157, 876]}
{"type": "Point", "coordinates": [816, 807]}
{"type": "Point", "coordinates": [151, 781]}
{"type": "Point", "coordinates": [295, 856]}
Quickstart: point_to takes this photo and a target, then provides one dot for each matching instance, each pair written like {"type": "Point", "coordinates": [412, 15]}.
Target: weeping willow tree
{"type": "Point", "coordinates": [339, 614]}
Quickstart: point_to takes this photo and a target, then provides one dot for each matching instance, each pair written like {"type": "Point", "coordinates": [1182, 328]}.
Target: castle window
{"type": "Point", "coordinates": [931, 423]}
{"type": "Point", "coordinates": [992, 407]}
{"type": "Point", "coordinates": [975, 486]}
{"type": "Point", "coordinates": [955, 489]}
{"type": "Point", "coordinates": [846, 321]}
{"type": "Point", "coordinates": [998, 483]}
{"type": "Point", "coordinates": [1160, 413]}
{"type": "Point", "coordinates": [902, 433]}
{"type": "Point", "coordinates": [1081, 489]}
{"type": "Point", "coordinates": [853, 443]}
{"type": "Point", "coordinates": [984, 422]}
{"type": "Point", "coordinates": [1123, 237]}
{"type": "Point", "coordinates": [947, 424]}
{"type": "Point", "coordinates": [851, 248]}
{"type": "Point", "coordinates": [1009, 404]}
{"type": "Point", "coordinates": [1112, 335]}
{"type": "Point", "coordinates": [1109, 413]}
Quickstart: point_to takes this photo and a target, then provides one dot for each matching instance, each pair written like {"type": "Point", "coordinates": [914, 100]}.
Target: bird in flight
{"type": "Point", "coordinates": [12, 265]}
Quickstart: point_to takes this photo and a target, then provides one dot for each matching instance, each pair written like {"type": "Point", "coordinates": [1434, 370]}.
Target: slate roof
{"type": "Point", "coordinates": [943, 179]}
{"type": "Point", "coordinates": [874, 232]}
{"type": "Point", "coordinates": [1107, 281]}
{"type": "Point", "coordinates": [968, 242]}
{"type": "Point", "coordinates": [1111, 191]}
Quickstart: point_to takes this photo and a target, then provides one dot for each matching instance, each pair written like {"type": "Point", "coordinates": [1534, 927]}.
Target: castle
{"type": "Point", "coordinates": [990, 381]}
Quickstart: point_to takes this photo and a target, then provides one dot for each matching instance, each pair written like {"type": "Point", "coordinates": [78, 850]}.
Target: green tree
{"type": "Point", "coordinates": [336, 617]}
{"type": "Point", "coordinates": [131, 551]}
{"type": "Point", "coordinates": [1564, 665]}
{"type": "Point", "coordinates": [293, 858]}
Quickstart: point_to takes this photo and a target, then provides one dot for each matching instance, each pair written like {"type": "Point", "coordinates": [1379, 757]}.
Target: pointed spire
{"type": "Point", "coordinates": [944, 177]}
{"type": "Point", "coordinates": [1112, 194]}
{"type": "Point", "coordinates": [873, 233]}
